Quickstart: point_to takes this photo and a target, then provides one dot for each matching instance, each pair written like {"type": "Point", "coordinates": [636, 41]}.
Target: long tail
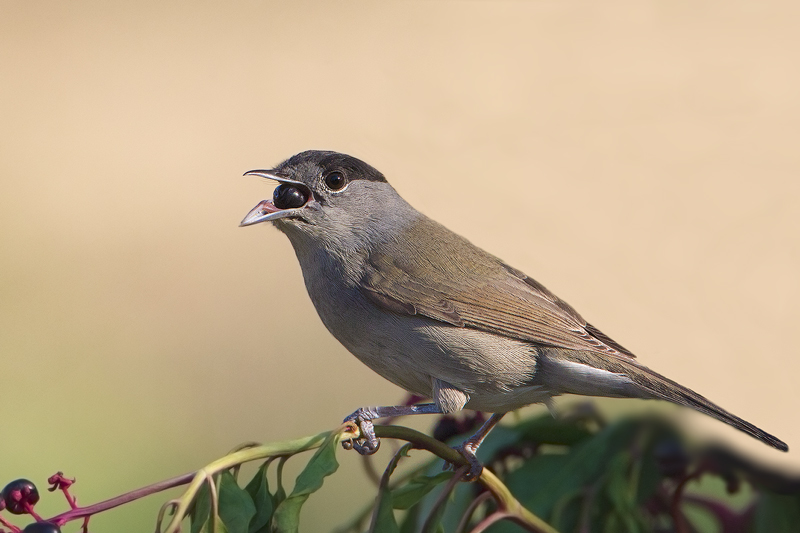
{"type": "Point", "coordinates": [665, 389]}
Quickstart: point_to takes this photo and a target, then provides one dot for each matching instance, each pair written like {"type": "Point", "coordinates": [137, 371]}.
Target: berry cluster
{"type": "Point", "coordinates": [20, 496]}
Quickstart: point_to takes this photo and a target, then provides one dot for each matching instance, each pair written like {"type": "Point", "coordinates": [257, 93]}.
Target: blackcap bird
{"type": "Point", "coordinates": [438, 316]}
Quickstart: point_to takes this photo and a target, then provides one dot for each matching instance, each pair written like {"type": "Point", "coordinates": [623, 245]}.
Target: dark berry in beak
{"type": "Point", "coordinates": [288, 197]}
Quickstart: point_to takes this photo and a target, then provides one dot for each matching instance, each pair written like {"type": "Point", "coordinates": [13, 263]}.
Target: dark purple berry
{"type": "Point", "coordinates": [671, 458]}
{"type": "Point", "coordinates": [17, 493]}
{"type": "Point", "coordinates": [446, 428]}
{"type": "Point", "coordinates": [288, 197]}
{"type": "Point", "coordinates": [42, 527]}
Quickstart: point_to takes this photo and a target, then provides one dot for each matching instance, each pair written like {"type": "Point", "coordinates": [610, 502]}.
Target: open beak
{"type": "Point", "coordinates": [266, 210]}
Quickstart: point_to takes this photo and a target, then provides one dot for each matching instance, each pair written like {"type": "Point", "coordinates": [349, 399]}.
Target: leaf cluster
{"type": "Point", "coordinates": [255, 508]}
{"type": "Point", "coordinates": [572, 474]}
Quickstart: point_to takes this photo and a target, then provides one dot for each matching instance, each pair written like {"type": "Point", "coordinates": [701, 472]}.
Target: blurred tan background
{"type": "Point", "coordinates": [638, 158]}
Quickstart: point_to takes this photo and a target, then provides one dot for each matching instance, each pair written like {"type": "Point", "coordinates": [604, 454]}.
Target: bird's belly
{"type": "Point", "coordinates": [503, 401]}
{"type": "Point", "coordinates": [412, 351]}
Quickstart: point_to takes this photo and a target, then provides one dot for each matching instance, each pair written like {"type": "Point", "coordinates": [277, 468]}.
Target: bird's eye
{"type": "Point", "coordinates": [335, 181]}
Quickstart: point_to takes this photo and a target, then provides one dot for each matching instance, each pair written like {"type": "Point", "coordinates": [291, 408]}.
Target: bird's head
{"type": "Point", "coordinates": [328, 197]}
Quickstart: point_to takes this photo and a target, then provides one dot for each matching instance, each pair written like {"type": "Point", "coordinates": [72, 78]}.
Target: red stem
{"type": "Point", "coordinates": [82, 512]}
{"type": "Point", "coordinates": [730, 520]}
{"type": "Point", "coordinates": [489, 520]}
{"type": "Point", "coordinates": [29, 509]}
{"type": "Point", "coordinates": [678, 519]}
{"type": "Point", "coordinates": [72, 503]}
{"type": "Point", "coordinates": [12, 527]}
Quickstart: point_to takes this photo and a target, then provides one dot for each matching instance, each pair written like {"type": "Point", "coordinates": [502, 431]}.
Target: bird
{"type": "Point", "coordinates": [438, 316]}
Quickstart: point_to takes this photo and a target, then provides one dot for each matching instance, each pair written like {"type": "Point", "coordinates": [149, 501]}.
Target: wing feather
{"type": "Point", "coordinates": [489, 296]}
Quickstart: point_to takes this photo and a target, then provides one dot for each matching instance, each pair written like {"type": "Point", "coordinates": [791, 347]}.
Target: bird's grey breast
{"type": "Point", "coordinates": [377, 338]}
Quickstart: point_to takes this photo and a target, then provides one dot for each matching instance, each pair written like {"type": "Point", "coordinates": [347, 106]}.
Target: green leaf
{"type": "Point", "coordinates": [220, 526]}
{"type": "Point", "coordinates": [383, 519]}
{"type": "Point", "coordinates": [620, 494]}
{"type": "Point", "coordinates": [548, 430]}
{"type": "Point", "coordinates": [649, 477]}
{"type": "Point", "coordinates": [258, 489]}
{"type": "Point", "coordinates": [530, 482]}
{"type": "Point", "coordinates": [201, 509]}
{"type": "Point", "coordinates": [617, 482]}
{"type": "Point", "coordinates": [777, 513]}
{"type": "Point", "coordinates": [287, 515]}
{"type": "Point", "coordinates": [542, 480]}
{"type": "Point", "coordinates": [501, 437]}
{"type": "Point", "coordinates": [410, 522]}
{"type": "Point", "coordinates": [612, 524]}
{"type": "Point", "coordinates": [433, 523]}
{"type": "Point", "coordinates": [568, 510]}
{"type": "Point", "coordinates": [404, 497]}
{"type": "Point", "coordinates": [462, 496]}
{"type": "Point", "coordinates": [280, 492]}
{"type": "Point", "coordinates": [236, 508]}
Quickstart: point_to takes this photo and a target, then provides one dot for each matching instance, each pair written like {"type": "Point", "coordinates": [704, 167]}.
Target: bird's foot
{"type": "Point", "coordinates": [467, 449]}
{"type": "Point", "coordinates": [367, 443]}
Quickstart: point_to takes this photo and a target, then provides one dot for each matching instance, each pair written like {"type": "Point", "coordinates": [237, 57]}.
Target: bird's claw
{"type": "Point", "coordinates": [366, 447]}
{"type": "Point", "coordinates": [467, 450]}
{"type": "Point", "coordinates": [367, 443]}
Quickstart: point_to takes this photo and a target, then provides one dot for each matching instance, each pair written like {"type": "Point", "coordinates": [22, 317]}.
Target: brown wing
{"type": "Point", "coordinates": [487, 294]}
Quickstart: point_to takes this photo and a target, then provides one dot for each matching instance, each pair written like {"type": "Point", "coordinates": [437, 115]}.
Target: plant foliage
{"type": "Point", "coordinates": [572, 474]}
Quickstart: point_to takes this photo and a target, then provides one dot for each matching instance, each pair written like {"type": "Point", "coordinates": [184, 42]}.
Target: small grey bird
{"type": "Point", "coordinates": [438, 316]}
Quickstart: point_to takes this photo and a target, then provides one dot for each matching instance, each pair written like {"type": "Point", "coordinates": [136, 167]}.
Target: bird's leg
{"type": "Point", "coordinates": [368, 443]}
{"type": "Point", "coordinates": [470, 446]}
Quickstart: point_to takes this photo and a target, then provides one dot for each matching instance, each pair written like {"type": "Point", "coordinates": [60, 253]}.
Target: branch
{"type": "Point", "coordinates": [244, 456]}
{"type": "Point", "coordinates": [89, 510]}
{"type": "Point", "coordinates": [507, 503]}
{"type": "Point", "coordinates": [508, 506]}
